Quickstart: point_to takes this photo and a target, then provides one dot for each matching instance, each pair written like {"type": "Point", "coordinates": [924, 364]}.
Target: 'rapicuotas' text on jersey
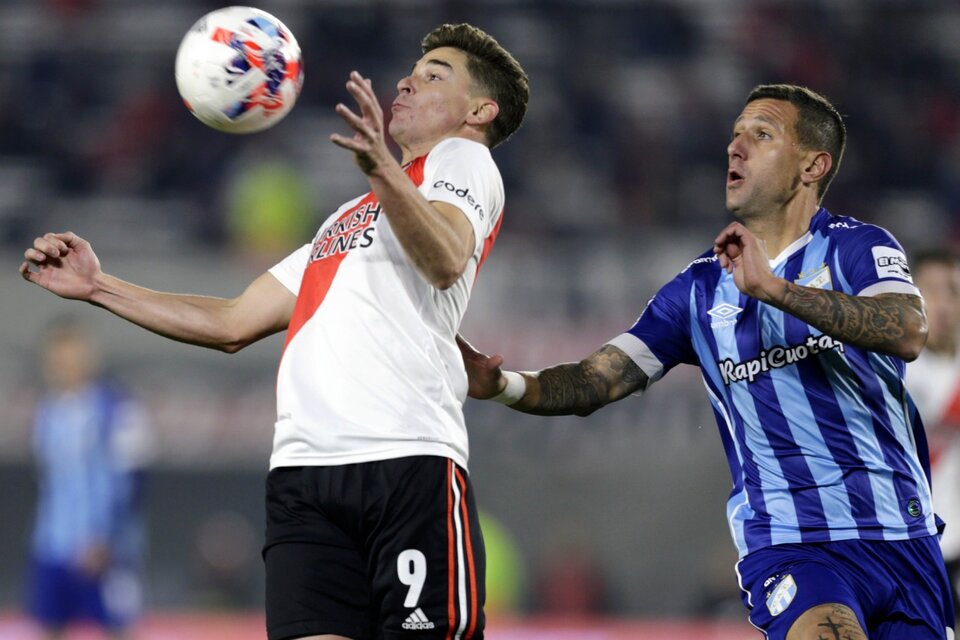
{"type": "Point", "coordinates": [822, 438]}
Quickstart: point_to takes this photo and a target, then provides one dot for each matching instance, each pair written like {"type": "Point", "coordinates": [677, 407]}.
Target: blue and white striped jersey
{"type": "Point", "coordinates": [822, 438]}
{"type": "Point", "coordinates": [91, 447]}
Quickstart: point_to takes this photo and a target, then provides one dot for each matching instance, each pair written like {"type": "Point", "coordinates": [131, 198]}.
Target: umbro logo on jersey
{"type": "Point", "coordinates": [725, 314]}
{"type": "Point", "coordinates": [417, 621]}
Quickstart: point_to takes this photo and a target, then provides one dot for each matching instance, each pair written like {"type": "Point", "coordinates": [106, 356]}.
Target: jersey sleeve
{"type": "Point", "coordinates": [462, 173]}
{"type": "Point", "coordinates": [289, 271]}
{"type": "Point", "coordinates": [660, 338]}
{"type": "Point", "coordinates": [873, 262]}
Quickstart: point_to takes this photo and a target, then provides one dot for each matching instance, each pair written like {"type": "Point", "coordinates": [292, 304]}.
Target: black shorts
{"type": "Point", "coordinates": [387, 549]}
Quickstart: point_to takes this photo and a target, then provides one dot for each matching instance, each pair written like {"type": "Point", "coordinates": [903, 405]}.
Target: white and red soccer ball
{"type": "Point", "coordinates": [239, 70]}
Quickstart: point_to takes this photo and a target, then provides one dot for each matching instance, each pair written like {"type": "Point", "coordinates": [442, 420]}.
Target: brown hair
{"type": "Point", "coordinates": [493, 69]}
{"type": "Point", "coordinates": [819, 125]}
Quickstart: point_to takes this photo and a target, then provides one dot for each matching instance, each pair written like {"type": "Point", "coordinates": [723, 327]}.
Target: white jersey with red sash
{"type": "Point", "coordinates": [370, 369]}
{"type": "Point", "coordinates": [934, 383]}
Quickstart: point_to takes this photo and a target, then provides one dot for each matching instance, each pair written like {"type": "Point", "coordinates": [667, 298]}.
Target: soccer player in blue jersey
{"type": "Point", "coordinates": [801, 322]}
{"type": "Point", "coordinates": [91, 443]}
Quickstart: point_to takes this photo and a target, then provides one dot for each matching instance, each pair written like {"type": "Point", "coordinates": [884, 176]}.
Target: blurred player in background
{"type": "Point", "coordinates": [934, 381]}
{"type": "Point", "coordinates": [91, 442]}
{"type": "Point", "coordinates": [371, 522]}
{"type": "Point", "coordinates": [800, 322]}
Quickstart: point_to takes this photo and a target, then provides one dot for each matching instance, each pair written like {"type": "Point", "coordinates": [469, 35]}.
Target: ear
{"type": "Point", "coordinates": [483, 112]}
{"type": "Point", "coordinates": [818, 164]}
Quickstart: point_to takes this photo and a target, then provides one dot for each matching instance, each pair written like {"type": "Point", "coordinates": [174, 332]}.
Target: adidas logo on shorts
{"type": "Point", "coordinates": [416, 621]}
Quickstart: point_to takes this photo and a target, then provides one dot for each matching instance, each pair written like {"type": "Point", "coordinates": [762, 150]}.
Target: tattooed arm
{"type": "Point", "coordinates": [573, 388]}
{"type": "Point", "coordinates": [891, 323]}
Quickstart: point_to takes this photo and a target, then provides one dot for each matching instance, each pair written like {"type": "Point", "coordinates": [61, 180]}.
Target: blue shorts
{"type": "Point", "coordinates": [897, 589]}
{"type": "Point", "coordinates": [58, 594]}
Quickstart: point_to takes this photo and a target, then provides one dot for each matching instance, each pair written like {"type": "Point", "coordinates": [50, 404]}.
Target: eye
{"type": "Point", "coordinates": [433, 76]}
{"type": "Point", "coordinates": [763, 135]}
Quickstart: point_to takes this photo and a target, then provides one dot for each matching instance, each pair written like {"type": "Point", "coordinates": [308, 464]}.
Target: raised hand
{"type": "Point", "coordinates": [62, 263]}
{"type": "Point", "coordinates": [483, 371]}
{"type": "Point", "coordinates": [745, 256]}
{"type": "Point", "coordinates": [368, 143]}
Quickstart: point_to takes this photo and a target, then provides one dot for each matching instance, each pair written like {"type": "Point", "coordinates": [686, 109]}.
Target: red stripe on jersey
{"type": "Point", "coordinates": [951, 417]}
{"type": "Point", "coordinates": [451, 541]}
{"type": "Point", "coordinates": [471, 572]}
{"type": "Point", "coordinates": [488, 242]}
{"type": "Point", "coordinates": [414, 169]}
{"type": "Point", "coordinates": [319, 274]}
{"type": "Point", "coordinates": [317, 279]}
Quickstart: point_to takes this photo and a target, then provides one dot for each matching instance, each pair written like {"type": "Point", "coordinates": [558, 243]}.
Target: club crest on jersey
{"type": "Point", "coordinates": [891, 263]}
{"type": "Point", "coordinates": [819, 278]}
{"type": "Point", "coordinates": [782, 595]}
{"type": "Point", "coordinates": [724, 315]}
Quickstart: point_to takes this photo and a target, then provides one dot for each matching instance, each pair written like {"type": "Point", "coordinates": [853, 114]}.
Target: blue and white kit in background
{"type": "Point", "coordinates": [822, 439]}
{"type": "Point", "coordinates": [91, 448]}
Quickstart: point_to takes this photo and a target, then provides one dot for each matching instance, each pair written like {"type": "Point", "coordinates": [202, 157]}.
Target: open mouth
{"type": "Point", "coordinates": [734, 178]}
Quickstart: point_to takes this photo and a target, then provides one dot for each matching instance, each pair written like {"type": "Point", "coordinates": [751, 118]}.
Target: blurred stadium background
{"type": "Point", "coordinates": [597, 527]}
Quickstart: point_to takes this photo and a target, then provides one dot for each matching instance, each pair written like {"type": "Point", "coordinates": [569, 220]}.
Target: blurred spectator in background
{"type": "Point", "coordinates": [268, 210]}
{"type": "Point", "coordinates": [505, 571]}
{"type": "Point", "coordinates": [91, 442]}
{"type": "Point", "coordinates": [570, 581]}
{"type": "Point", "coordinates": [934, 382]}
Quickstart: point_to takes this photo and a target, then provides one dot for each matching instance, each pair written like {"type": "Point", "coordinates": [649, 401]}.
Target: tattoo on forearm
{"type": "Point", "coordinates": [581, 388]}
{"type": "Point", "coordinates": [875, 323]}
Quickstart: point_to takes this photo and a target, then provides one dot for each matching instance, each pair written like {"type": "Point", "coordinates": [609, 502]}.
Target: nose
{"type": "Point", "coordinates": [405, 85]}
{"type": "Point", "coordinates": [735, 149]}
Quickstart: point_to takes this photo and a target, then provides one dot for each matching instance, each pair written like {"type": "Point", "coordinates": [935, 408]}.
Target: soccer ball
{"type": "Point", "coordinates": [239, 70]}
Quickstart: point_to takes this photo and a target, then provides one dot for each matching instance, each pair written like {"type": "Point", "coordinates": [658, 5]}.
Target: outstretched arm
{"type": "Point", "coordinates": [578, 388]}
{"type": "Point", "coordinates": [891, 323]}
{"type": "Point", "coordinates": [66, 265]}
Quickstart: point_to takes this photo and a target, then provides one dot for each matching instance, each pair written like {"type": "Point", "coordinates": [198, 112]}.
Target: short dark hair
{"type": "Point", "coordinates": [819, 124]}
{"type": "Point", "coordinates": [493, 69]}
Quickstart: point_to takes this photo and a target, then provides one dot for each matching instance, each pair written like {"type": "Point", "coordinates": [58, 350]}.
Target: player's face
{"type": "Point", "coordinates": [434, 100]}
{"type": "Point", "coordinates": [940, 285]}
{"type": "Point", "coordinates": [764, 159]}
{"type": "Point", "coordinates": [68, 362]}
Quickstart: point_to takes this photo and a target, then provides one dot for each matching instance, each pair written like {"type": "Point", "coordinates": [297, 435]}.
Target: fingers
{"type": "Point", "coordinates": [362, 91]}
{"type": "Point", "coordinates": [347, 143]}
{"type": "Point", "coordinates": [354, 121]}
{"type": "Point", "coordinates": [27, 274]}
{"type": "Point", "coordinates": [732, 232]}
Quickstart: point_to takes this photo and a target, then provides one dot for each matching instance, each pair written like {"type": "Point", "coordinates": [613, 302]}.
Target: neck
{"type": "Point", "coordinates": [779, 230]}
{"type": "Point", "coordinates": [412, 150]}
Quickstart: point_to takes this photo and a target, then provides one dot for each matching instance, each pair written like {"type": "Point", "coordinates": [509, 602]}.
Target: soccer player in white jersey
{"type": "Point", "coordinates": [934, 382]}
{"type": "Point", "coordinates": [801, 323]}
{"type": "Point", "coordinates": [371, 523]}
